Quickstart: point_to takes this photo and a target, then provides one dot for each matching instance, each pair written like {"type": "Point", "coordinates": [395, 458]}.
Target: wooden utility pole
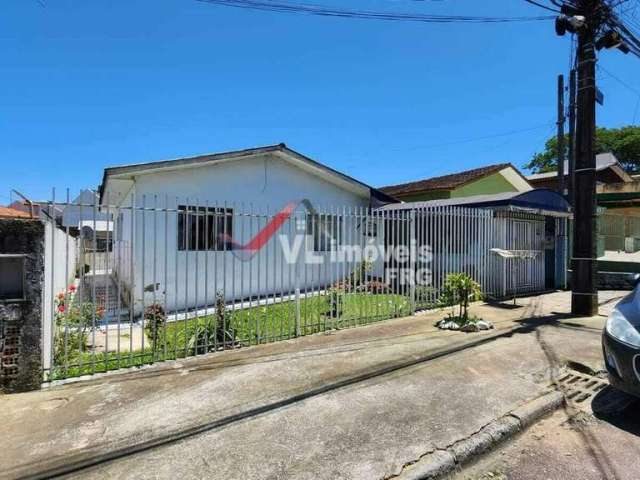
{"type": "Point", "coordinates": [584, 295]}
{"type": "Point", "coordinates": [561, 146]}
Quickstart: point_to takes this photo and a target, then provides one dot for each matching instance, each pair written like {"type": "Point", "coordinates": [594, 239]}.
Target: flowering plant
{"type": "Point", "coordinates": [69, 313]}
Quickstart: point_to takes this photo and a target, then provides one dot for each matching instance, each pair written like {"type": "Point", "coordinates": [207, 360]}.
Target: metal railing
{"type": "Point", "coordinates": [185, 278]}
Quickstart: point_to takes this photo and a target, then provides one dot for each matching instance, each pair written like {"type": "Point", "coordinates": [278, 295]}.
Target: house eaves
{"type": "Point", "coordinates": [129, 172]}
{"type": "Point", "coordinates": [603, 161]}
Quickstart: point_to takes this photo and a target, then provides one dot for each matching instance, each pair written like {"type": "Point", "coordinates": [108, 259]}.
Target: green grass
{"type": "Point", "coordinates": [86, 363]}
{"type": "Point", "coordinates": [251, 326]}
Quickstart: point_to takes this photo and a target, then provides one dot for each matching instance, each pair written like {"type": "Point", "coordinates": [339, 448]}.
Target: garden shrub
{"type": "Point", "coordinates": [460, 289]}
{"type": "Point", "coordinates": [155, 319]}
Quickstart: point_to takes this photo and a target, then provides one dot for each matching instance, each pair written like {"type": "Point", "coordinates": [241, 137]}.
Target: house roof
{"type": "Point", "coordinates": [541, 200]}
{"type": "Point", "coordinates": [446, 182]}
{"type": "Point", "coordinates": [603, 161]}
{"type": "Point", "coordinates": [6, 212]}
{"type": "Point", "coordinates": [129, 171]}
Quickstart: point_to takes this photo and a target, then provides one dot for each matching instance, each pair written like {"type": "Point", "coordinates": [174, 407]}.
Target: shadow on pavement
{"type": "Point", "coordinates": [504, 305]}
{"type": "Point", "coordinates": [618, 409]}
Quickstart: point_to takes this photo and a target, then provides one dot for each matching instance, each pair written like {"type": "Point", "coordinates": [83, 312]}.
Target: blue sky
{"type": "Point", "coordinates": [85, 85]}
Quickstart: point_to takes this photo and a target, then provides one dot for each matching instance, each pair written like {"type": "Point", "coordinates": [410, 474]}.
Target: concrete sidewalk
{"type": "Point", "coordinates": [359, 403]}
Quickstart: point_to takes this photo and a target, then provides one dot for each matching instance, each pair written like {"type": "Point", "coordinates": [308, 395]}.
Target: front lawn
{"type": "Point", "coordinates": [250, 326]}
{"type": "Point", "coordinates": [277, 321]}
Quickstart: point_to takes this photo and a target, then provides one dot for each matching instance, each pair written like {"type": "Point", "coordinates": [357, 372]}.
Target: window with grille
{"type": "Point", "coordinates": [204, 228]}
{"type": "Point", "coordinates": [325, 231]}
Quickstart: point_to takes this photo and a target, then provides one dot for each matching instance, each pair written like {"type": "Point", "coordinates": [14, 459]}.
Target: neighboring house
{"type": "Point", "coordinates": [38, 209]}
{"type": "Point", "coordinates": [190, 206]}
{"type": "Point", "coordinates": [608, 170]}
{"type": "Point", "coordinates": [81, 210]}
{"type": "Point", "coordinates": [619, 216]}
{"type": "Point", "coordinates": [6, 212]}
{"type": "Point", "coordinates": [535, 222]}
{"type": "Point", "coordinates": [95, 227]}
{"type": "Point", "coordinates": [621, 198]}
{"type": "Point", "coordinates": [618, 197]}
{"type": "Point", "coordinates": [491, 179]}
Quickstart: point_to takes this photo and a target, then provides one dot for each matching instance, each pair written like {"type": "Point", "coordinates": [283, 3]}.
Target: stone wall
{"type": "Point", "coordinates": [21, 322]}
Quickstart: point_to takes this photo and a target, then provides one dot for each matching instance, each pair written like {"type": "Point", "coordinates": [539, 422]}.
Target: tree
{"type": "Point", "coordinates": [623, 142]}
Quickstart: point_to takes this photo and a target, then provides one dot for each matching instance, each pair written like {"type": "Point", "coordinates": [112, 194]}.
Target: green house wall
{"type": "Point", "coordinates": [494, 183]}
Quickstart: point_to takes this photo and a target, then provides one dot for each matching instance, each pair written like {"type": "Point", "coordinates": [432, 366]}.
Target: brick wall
{"type": "Point", "coordinates": [21, 322]}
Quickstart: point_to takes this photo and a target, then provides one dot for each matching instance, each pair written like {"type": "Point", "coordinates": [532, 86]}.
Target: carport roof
{"type": "Point", "coordinates": [541, 200]}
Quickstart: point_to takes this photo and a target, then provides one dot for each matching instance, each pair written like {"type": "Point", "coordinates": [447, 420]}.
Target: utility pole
{"type": "Point", "coordinates": [561, 147]}
{"type": "Point", "coordinates": [585, 18]}
{"type": "Point", "coordinates": [572, 135]}
{"type": "Point", "coordinates": [584, 296]}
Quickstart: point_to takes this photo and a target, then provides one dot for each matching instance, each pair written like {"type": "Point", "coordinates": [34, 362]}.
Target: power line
{"type": "Point", "coordinates": [551, 124]}
{"type": "Point", "coordinates": [326, 11]}
{"type": "Point", "coordinates": [477, 139]}
{"type": "Point", "coordinates": [628, 87]}
{"type": "Point", "coordinates": [620, 81]}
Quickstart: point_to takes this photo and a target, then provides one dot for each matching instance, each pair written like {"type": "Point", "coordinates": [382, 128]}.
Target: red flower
{"type": "Point", "coordinates": [72, 288]}
{"type": "Point", "coordinates": [61, 308]}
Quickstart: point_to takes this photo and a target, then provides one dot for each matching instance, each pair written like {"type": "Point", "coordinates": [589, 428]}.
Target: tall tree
{"type": "Point", "coordinates": [623, 142]}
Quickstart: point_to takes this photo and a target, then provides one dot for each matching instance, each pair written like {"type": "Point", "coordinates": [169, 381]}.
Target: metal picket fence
{"type": "Point", "coordinates": [169, 278]}
{"type": "Point", "coordinates": [619, 232]}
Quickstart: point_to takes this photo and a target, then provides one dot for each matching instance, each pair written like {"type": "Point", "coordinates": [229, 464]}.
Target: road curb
{"type": "Point", "coordinates": [442, 462]}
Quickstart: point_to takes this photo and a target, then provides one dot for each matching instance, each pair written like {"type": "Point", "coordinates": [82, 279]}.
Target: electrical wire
{"type": "Point", "coordinates": [628, 87]}
{"type": "Point", "coordinates": [326, 11]}
{"type": "Point", "coordinates": [478, 139]}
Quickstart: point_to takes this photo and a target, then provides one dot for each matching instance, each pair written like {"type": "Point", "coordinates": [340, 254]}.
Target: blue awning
{"type": "Point", "coordinates": [542, 200]}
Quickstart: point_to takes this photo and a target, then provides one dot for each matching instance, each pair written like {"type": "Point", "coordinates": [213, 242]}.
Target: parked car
{"type": "Point", "coordinates": [621, 343]}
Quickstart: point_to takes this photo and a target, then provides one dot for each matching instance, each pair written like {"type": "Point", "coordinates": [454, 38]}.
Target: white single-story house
{"type": "Point", "coordinates": [188, 230]}
{"type": "Point", "coordinates": [190, 212]}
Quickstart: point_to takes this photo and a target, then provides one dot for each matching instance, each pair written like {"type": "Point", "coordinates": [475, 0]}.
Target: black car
{"type": "Point", "coordinates": [621, 344]}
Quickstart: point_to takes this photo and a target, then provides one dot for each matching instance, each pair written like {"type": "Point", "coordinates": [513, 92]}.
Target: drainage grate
{"type": "Point", "coordinates": [578, 388]}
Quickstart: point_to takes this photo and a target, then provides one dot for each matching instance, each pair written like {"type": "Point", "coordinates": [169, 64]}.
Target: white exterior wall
{"type": "Point", "coordinates": [262, 186]}
{"type": "Point", "coordinates": [60, 261]}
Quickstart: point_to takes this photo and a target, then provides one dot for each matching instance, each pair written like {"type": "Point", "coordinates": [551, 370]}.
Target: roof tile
{"type": "Point", "coordinates": [445, 182]}
{"type": "Point", "coordinates": [6, 212]}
